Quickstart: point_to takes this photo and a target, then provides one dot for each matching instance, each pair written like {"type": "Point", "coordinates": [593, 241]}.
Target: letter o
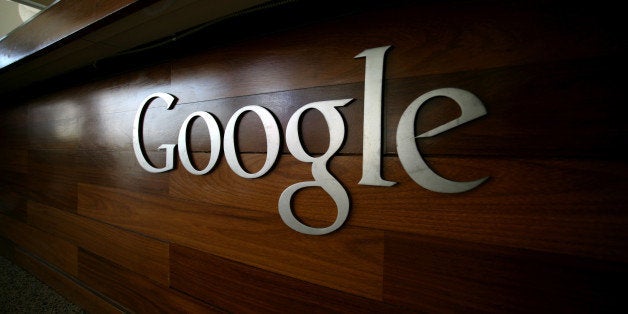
{"type": "Point", "coordinates": [214, 136]}
{"type": "Point", "coordinates": [272, 141]}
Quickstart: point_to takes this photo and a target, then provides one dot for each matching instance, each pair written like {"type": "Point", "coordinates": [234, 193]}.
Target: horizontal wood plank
{"type": "Point", "coordinates": [60, 119]}
{"type": "Point", "coordinates": [52, 178]}
{"type": "Point", "coordinates": [13, 127]}
{"type": "Point", "coordinates": [441, 275]}
{"type": "Point", "coordinates": [135, 292]}
{"type": "Point", "coordinates": [351, 259]}
{"type": "Point", "coordinates": [119, 169]}
{"type": "Point", "coordinates": [428, 39]}
{"type": "Point", "coordinates": [240, 288]}
{"type": "Point", "coordinates": [526, 117]}
{"type": "Point", "coordinates": [13, 195]}
{"type": "Point", "coordinates": [561, 206]}
{"type": "Point", "coordinates": [146, 256]}
{"type": "Point", "coordinates": [54, 250]}
{"type": "Point", "coordinates": [14, 160]}
{"type": "Point", "coordinates": [116, 92]}
{"type": "Point", "coordinates": [566, 206]}
{"type": "Point", "coordinates": [66, 285]}
{"type": "Point", "coordinates": [550, 110]}
{"type": "Point", "coordinates": [545, 233]}
{"type": "Point", "coordinates": [54, 134]}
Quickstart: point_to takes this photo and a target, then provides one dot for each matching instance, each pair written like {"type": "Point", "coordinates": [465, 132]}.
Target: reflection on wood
{"type": "Point", "coordinates": [141, 254]}
{"type": "Point", "coordinates": [547, 231]}
{"type": "Point", "coordinates": [133, 291]}
{"type": "Point", "coordinates": [352, 259]}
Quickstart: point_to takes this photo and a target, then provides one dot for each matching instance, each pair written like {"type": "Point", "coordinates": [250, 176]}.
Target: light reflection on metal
{"type": "Point", "coordinates": [409, 155]}
{"type": "Point", "coordinates": [372, 135]}
{"type": "Point", "coordinates": [214, 136]}
{"type": "Point", "coordinates": [138, 146]}
{"type": "Point", "coordinates": [322, 177]}
{"type": "Point", "coordinates": [272, 141]}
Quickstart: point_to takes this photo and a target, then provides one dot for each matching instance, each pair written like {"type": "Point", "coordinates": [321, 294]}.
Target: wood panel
{"type": "Point", "coordinates": [120, 169]}
{"type": "Point", "coordinates": [86, 298]}
{"type": "Point", "coordinates": [13, 195]}
{"type": "Point", "coordinates": [547, 231]}
{"type": "Point", "coordinates": [13, 131]}
{"type": "Point", "coordinates": [54, 134]}
{"type": "Point", "coordinates": [568, 206]}
{"type": "Point", "coordinates": [107, 93]}
{"type": "Point", "coordinates": [560, 109]}
{"type": "Point", "coordinates": [133, 291]}
{"type": "Point", "coordinates": [240, 288]}
{"type": "Point", "coordinates": [146, 256]}
{"type": "Point", "coordinates": [52, 178]}
{"type": "Point", "coordinates": [432, 39]}
{"type": "Point", "coordinates": [352, 260]}
{"type": "Point", "coordinates": [59, 120]}
{"type": "Point", "coordinates": [54, 250]}
{"type": "Point", "coordinates": [14, 160]}
{"type": "Point", "coordinates": [519, 122]}
{"type": "Point", "coordinates": [441, 275]}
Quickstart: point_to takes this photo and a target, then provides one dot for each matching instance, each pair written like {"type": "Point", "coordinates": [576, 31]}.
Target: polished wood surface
{"type": "Point", "coordinates": [216, 280]}
{"type": "Point", "coordinates": [54, 250]}
{"type": "Point", "coordinates": [84, 297]}
{"type": "Point", "coordinates": [139, 253]}
{"type": "Point", "coordinates": [135, 291]}
{"type": "Point", "coordinates": [61, 20]}
{"type": "Point", "coordinates": [547, 232]}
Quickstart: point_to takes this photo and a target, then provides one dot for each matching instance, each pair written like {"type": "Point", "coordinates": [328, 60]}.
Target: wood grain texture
{"type": "Point", "coordinates": [567, 206]}
{"type": "Point", "coordinates": [135, 292]}
{"type": "Point", "coordinates": [52, 178]}
{"type": "Point", "coordinates": [15, 160]}
{"type": "Point", "coordinates": [441, 275]}
{"type": "Point", "coordinates": [432, 39]}
{"type": "Point", "coordinates": [60, 134]}
{"type": "Point", "coordinates": [119, 169]}
{"type": "Point", "coordinates": [116, 92]}
{"type": "Point", "coordinates": [67, 286]}
{"type": "Point", "coordinates": [240, 288]}
{"type": "Point", "coordinates": [59, 119]}
{"type": "Point", "coordinates": [13, 133]}
{"type": "Point", "coordinates": [546, 233]}
{"type": "Point", "coordinates": [583, 120]}
{"type": "Point", "coordinates": [54, 250]}
{"type": "Point", "coordinates": [561, 109]}
{"type": "Point", "coordinates": [146, 256]}
{"type": "Point", "coordinates": [352, 260]}
{"type": "Point", "coordinates": [13, 195]}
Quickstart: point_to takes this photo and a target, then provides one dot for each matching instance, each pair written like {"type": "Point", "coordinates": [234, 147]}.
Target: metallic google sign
{"type": "Point", "coordinates": [409, 155]}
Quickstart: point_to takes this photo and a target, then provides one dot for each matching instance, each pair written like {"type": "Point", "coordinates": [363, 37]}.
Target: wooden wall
{"type": "Point", "coordinates": [547, 232]}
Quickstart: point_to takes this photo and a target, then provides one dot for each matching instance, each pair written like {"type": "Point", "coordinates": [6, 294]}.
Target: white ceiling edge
{"type": "Point", "coordinates": [159, 20]}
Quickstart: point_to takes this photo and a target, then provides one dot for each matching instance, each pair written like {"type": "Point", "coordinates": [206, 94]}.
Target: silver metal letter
{"type": "Point", "coordinates": [214, 136]}
{"type": "Point", "coordinates": [322, 177]}
{"type": "Point", "coordinates": [140, 154]}
{"type": "Point", "coordinates": [272, 141]}
{"type": "Point", "coordinates": [409, 155]}
{"type": "Point", "coordinates": [372, 135]}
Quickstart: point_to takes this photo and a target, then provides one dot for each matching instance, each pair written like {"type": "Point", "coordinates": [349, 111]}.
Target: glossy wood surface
{"type": "Point", "coordinates": [547, 232]}
{"type": "Point", "coordinates": [84, 297]}
{"type": "Point", "coordinates": [59, 21]}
